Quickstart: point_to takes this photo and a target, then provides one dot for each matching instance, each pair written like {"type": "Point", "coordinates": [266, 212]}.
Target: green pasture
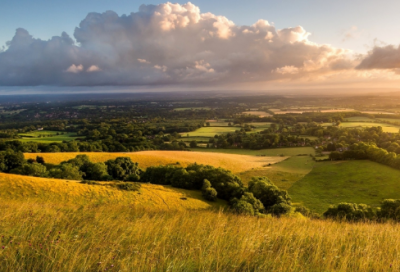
{"type": "Point", "coordinates": [212, 131]}
{"type": "Point", "coordinates": [359, 119]}
{"type": "Point", "coordinates": [385, 127]}
{"type": "Point", "coordinates": [47, 136]}
{"type": "Point", "coordinates": [359, 181]}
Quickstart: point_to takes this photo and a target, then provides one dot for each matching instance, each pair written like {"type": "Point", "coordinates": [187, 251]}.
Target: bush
{"type": "Point", "coordinates": [275, 201]}
{"type": "Point", "coordinates": [247, 204]}
{"type": "Point", "coordinates": [95, 171]}
{"type": "Point", "coordinates": [129, 186]}
{"type": "Point", "coordinates": [208, 192]}
{"type": "Point", "coordinates": [158, 174]}
{"type": "Point", "coordinates": [31, 169]}
{"type": "Point", "coordinates": [123, 168]}
{"type": "Point", "coordinates": [350, 212]}
{"type": "Point", "coordinates": [390, 209]}
{"type": "Point", "coordinates": [66, 171]}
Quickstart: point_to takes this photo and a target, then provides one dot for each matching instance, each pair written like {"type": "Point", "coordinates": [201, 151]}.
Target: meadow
{"type": "Point", "coordinates": [284, 151]}
{"type": "Point", "coordinates": [385, 127]}
{"type": "Point", "coordinates": [47, 136]}
{"type": "Point", "coordinates": [217, 128]}
{"type": "Point", "coordinates": [194, 108]}
{"type": "Point", "coordinates": [359, 181]}
{"type": "Point", "coordinates": [40, 236]}
{"type": "Point", "coordinates": [257, 113]}
{"type": "Point", "coordinates": [235, 163]}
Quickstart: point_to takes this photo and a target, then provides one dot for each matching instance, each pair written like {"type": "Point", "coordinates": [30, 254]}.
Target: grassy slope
{"type": "Point", "coordinates": [385, 127]}
{"type": "Point", "coordinates": [350, 181]}
{"type": "Point", "coordinates": [156, 197]}
{"type": "Point", "coordinates": [235, 163]}
{"type": "Point", "coordinates": [57, 237]}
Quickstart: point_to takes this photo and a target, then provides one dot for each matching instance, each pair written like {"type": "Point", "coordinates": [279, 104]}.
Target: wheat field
{"type": "Point", "coordinates": [235, 163]}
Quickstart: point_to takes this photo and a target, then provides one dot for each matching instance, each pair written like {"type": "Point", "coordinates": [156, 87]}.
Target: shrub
{"type": "Point", "coordinates": [31, 169]}
{"type": "Point", "coordinates": [208, 192]}
{"type": "Point", "coordinates": [275, 201]}
{"type": "Point", "coordinates": [66, 171]}
{"type": "Point", "coordinates": [129, 186]}
{"type": "Point", "coordinates": [123, 168]}
{"type": "Point", "coordinates": [350, 212]}
{"type": "Point", "coordinates": [247, 204]}
{"type": "Point", "coordinates": [390, 209]}
{"type": "Point", "coordinates": [158, 174]}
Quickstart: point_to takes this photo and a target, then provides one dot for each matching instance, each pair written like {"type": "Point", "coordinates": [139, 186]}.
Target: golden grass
{"type": "Point", "coordinates": [233, 162]}
{"type": "Point", "coordinates": [157, 197]}
{"type": "Point", "coordinates": [58, 237]}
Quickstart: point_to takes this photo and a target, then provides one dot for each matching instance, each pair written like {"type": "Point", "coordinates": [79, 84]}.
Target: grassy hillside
{"type": "Point", "coordinates": [15, 187]}
{"type": "Point", "coordinates": [235, 163]}
{"type": "Point", "coordinates": [58, 237]}
{"type": "Point", "coordinates": [348, 181]}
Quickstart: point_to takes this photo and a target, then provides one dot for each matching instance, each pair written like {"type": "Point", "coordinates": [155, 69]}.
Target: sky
{"type": "Point", "coordinates": [253, 44]}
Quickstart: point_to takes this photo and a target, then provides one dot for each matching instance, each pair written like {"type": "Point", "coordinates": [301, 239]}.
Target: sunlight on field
{"type": "Point", "coordinates": [385, 127]}
{"type": "Point", "coordinates": [257, 113]}
{"type": "Point", "coordinates": [235, 163]}
{"type": "Point", "coordinates": [155, 197]}
{"type": "Point", "coordinates": [122, 238]}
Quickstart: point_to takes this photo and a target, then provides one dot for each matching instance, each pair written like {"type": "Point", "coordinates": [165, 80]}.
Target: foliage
{"type": "Point", "coordinates": [350, 212]}
{"type": "Point", "coordinates": [123, 168]}
{"type": "Point", "coordinates": [66, 171]}
{"type": "Point", "coordinates": [274, 200]}
{"type": "Point", "coordinates": [30, 169]}
{"type": "Point", "coordinates": [208, 192]}
{"type": "Point", "coordinates": [247, 204]}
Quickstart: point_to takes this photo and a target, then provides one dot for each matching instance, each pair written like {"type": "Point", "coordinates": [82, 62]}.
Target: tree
{"type": "Point", "coordinates": [96, 171]}
{"type": "Point", "coordinates": [193, 144]}
{"type": "Point", "coordinates": [123, 168]}
{"type": "Point", "coordinates": [66, 171]}
{"type": "Point", "coordinates": [247, 204]}
{"type": "Point", "coordinates": [30, 169]}
{"type": "Point", "coordinates": [274, 200]}
{"type": "Point", "coordinates": [350, 212]}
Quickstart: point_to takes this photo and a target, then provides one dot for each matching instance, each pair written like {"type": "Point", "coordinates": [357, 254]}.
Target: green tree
{"type": "Point", "coordinates": [123, 168]}
{"type": "Point", "coordinates": [208, 192]}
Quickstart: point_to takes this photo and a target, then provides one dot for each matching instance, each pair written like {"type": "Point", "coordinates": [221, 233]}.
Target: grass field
{"type": "Point", "coordinates": [257, 113]}
{"type": "Point", "coordinates": [286, 151]}
{"type": "Point", "coordinates": [156, 197]}
{"type": "Point", "coordinates": [194, 108]}
{"type": "Point", "coordinates": [235, 163]}
{"type": "Point", "coordinates": [283, 174]}
{"type": "Point", "coordinates": [359, 119]}
{"type": "Point", "coordinates": [349, 181]}
{"type": "Point", "coordinates": [47, 136]}
{"type": "Point", "coordinates": [385, 127]}
{"type": "Point", "coordinates": [39, 236]}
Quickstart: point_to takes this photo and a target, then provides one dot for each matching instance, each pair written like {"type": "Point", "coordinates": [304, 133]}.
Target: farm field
{"type": "Point", "coordinates": [46, 136]}
{"type": "Point", "coordinates": [346, 181]}
{"type": "Point", "coordinates": [212, 131]}
{"type": "Point", "coordinates": [285, 151]}
{"type": "Point", "coordinates": [385, 127]}
{"type": "Point", "coordinates": [235, 163]}
{"type": "Point", "coordinates": [359, 119]}
{"type": "Point", "coordinates": [257, 113]}
{"type": "Point", "coordinates": [280, 111]}
{"type": "Point", "coordinates": [194, 108]}
{"type": "Point", "coordinates": [155, 197]}
{"type": "Point", "coordinates": [377, 112]}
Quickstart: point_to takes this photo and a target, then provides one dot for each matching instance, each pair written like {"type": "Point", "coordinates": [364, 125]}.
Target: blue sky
{"type": "Point", "coordinates": [328, 21]}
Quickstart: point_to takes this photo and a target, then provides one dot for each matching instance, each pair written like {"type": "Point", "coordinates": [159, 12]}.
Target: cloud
{"type": "Point", "coordinates": [384, 57]}
{"type": "Point", "coordinates": [168, 44]}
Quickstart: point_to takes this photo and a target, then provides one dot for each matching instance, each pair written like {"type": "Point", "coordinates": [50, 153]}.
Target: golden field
{"type": "Point", "coordinates": [156, 197]}
{"type": "Point", "coordinates": [233, 162]}
{"type": "Point", "coordinates": [62, 237]}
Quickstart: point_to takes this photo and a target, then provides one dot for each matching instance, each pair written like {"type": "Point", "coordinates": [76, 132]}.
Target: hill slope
{"type": "Point", "coordinates": [16, 187]}
{"type": "Point", "coordinates": [346, 181]}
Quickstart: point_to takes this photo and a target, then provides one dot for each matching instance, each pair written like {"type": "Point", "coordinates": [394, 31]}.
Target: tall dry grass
{"type": "Point", "coordinates": [56, 237]}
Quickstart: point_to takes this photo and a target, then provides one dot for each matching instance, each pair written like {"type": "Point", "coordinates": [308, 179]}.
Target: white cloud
{"type": "Point", "coordinates": [184, 45]}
